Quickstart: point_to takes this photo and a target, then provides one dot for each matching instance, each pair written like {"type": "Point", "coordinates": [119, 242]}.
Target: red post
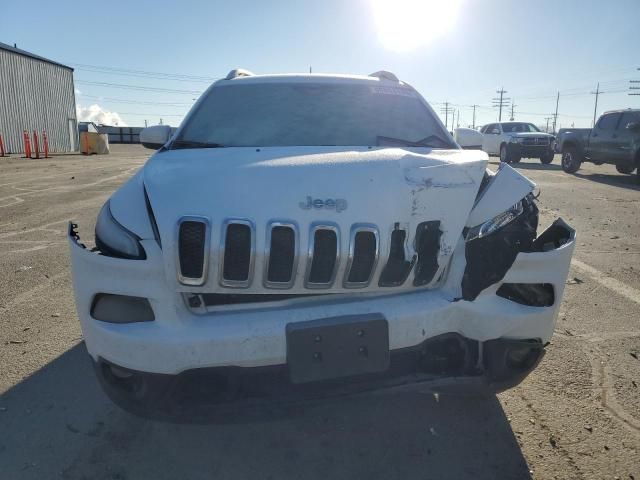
{"type": "Point", "coordinates": [27, 144]}
{"type": "Point", "coordinates": [36, 146]}
{"type": "Point", "coordinates": [1, 146]}
{"type": "Point", "coordinates": [45, 142]}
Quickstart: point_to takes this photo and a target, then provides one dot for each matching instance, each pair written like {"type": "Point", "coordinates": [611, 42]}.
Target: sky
{"type": "Point", "coordinates": [140, 61]}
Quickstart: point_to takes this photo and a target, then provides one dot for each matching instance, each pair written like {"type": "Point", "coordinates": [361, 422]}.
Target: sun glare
{"type": "Point", "coordinates": [404, 25]}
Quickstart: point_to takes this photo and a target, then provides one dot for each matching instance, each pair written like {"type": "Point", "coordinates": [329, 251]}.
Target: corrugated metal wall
{"type": "Point", "coordinates": [36, 95]}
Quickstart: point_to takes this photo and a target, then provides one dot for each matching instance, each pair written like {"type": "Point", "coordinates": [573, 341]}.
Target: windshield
{"type": "Point", "coordinates": [519, 127]}
{"type": "Point", "coordinates": [295, 114]}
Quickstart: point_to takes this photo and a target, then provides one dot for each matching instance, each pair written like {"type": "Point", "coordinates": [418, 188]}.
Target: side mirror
{"type": "Point", "coordinates": [633, 126]}
{"type": "Point", "coordinates": [155, 137]}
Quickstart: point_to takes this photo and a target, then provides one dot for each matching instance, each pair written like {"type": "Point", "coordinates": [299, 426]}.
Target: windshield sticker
{"type": "Point", "coordinates": [403, 92]}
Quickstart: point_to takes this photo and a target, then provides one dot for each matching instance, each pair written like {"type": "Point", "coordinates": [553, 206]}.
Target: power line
{"type": "Point", "coordinates": [145, 73]}
{"type": "Point", "coordinates": [134, 102]}
{"type": "Point", "coordinates": [143, 88]}
{"type": "Point", "coordinates": [633, 87]}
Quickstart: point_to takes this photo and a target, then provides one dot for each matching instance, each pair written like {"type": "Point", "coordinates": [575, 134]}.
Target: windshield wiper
{"type": "Point", "coordinates": [432, 141]}
{"type": "Point", "coordinates": [193, 144]}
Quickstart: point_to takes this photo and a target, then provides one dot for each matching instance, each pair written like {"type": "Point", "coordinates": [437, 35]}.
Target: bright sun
{"type": "Point", "coordinates": [405, 25]}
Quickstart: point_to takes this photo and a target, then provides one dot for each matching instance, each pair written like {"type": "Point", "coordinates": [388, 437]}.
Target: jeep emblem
{"type": "Point", "coordinates": [337, 204]}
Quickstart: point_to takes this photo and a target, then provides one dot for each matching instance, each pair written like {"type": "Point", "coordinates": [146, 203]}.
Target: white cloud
{"type": "Point", "coordinates": [96, 114]}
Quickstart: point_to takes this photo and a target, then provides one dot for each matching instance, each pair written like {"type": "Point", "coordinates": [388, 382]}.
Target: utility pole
{"type": "Point", "coordinates": [547, 127]}
{"type": "Point", "coordinates": [555, 116]}
{"type": "Point", "coordinates": [160, 121]}
{"type": "Point", "coordinates": [513, 105]}
{"type": "Point", "coordinates": [458, 119]}
{"type": "Point", "coordinates": [145, 124]}
{"type": "Point", "coordinates": [310, 69]}
{"type": "Point", "coordinates": [595, 109]}
{"type": "Point", "coordinates": [474, 116]}
{"type": "Point", "coordinates": [500, 102]}
{"type": "Point", "coordinates": [446, 110]}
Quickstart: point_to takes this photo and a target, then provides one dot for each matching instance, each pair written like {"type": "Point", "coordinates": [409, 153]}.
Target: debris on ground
{"type": "Point", "coordinates": [23, 268]}
{"type": "Point", "coordinates": [575, 281]}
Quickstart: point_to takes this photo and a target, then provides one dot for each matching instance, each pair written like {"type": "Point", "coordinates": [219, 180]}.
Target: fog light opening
{"type": "Point", "coordinates": [112, 308]}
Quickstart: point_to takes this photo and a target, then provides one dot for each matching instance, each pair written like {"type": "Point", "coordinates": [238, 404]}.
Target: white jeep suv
{"type": "Point", "coordinates": [309, 235]}
{"type": "Point", "coordinates": [513, 141]}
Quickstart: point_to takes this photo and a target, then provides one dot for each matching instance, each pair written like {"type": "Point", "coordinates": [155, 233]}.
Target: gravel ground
{"type": "Point", "coordinates": [576, 416]}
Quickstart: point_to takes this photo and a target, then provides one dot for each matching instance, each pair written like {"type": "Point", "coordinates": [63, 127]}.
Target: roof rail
{"type": "Point", "coordinates": [238, 72]}
{"type": "Point", "coordinates": [384, 75]}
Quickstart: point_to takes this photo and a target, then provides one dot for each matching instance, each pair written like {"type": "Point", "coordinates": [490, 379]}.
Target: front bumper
{"type": "Point", "coordinates": [180, 339]}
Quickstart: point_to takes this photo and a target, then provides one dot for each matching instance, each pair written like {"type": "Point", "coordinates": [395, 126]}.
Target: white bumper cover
{"type": "Point", "coordinates": [179, 339]}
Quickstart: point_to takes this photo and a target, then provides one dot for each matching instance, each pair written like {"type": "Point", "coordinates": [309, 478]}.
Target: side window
{"type": "Point", "coordinates": [494, 129]}
{"type": "Point", "coordinates": [627, 118]}
{"type": "Point", "coordinates": [483, 129]}
{"type": "Point", "coordinates": [608, 122]}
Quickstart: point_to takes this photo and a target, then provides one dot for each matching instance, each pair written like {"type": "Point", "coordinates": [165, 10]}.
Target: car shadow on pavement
{"type": "Point", "coordinates": [615, 180]}
{"type": "Point", "coordinates": [57, 423]}
{"type": "Point", "coordinates": [537, 166]}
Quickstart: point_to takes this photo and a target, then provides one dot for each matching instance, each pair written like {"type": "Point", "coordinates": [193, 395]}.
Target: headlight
{"type": "Point", "coordinates": [496, 223]}
{"type": "Point", "coordinates": [114, 240]}
{"type": "Point", "coordinates": [516, 140]}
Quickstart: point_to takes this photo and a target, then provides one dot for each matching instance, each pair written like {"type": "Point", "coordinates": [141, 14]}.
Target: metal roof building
{"type": "Point", "coordinates": [36, 94]}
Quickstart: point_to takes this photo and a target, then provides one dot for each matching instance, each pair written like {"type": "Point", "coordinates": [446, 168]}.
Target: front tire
{"type": "Point", "coordinates": [571, 160]}
{"type": "Point", "coordinates": [547, 158]}
{"type": "Point", "coordinates": [506, 156]}
{"type": "Point", "coordinates": [627, 169]}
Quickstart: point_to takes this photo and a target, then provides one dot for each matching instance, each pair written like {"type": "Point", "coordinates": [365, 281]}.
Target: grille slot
{"type": "Point", "coordinates": [282, 257]}
{"type": "Point", "coordinates": [238, 246]}
{"type": "Point", "coordinates": [323, 255]}
{"type": "Point", "coordinates": [363, 256]}
{"type": "Point", "coordinates": [397, 269]}
{"type": "Point", "coordinates": [192, 248]}
{"type": "Point", "coordinates": [427, 247]}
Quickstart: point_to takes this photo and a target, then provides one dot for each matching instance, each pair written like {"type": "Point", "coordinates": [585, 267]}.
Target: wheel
{"type": "Point", "coordinates": [547, 158]}
{"type": "Point", "coordinates": [515, 158]}
{"type": "Point", "coordinates": [571, 160]}
{"type": "Point", "coordinates": [504, 154]}
{"type": "Point", "coordinates": [625, 168]}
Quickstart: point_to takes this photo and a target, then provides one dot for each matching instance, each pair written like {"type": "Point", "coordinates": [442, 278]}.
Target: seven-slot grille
{"type": "Point", "coordinates": [237, 254]}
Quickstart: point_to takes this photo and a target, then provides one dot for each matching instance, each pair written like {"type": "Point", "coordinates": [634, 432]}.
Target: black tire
{"type": "Point", "coordinates": [627, 169]}
{"type": "Point", "coordinates": [571, 159]}
{"type": "Point", "coordinates": [515, 158]}
{"type": "Point", "coordinates": [547, 158]}
{"type": "Point", "coordinates": [504, 154]}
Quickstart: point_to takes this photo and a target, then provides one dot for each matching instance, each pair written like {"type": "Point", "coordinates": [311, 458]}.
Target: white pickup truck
{"type": "Point", "coordinates": [513, 141]}
{"type": "Point", "coordinates": [310, 235]}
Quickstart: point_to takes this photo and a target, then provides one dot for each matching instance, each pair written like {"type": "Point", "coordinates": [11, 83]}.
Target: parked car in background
{"type": "Point", "coordinates": [614, 140]}
{"type": "Point", "coordinates": [513, 141]}
{"type": "Point", "coordinates": [468, 138]}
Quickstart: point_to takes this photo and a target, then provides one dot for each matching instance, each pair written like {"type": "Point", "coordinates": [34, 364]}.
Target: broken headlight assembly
{"type": "Point", "coordinates": [496, 223]}
{"type": "Point", "coordinates": [492, 247]}
{"type": "Point", "coordinates": [114, 240]}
